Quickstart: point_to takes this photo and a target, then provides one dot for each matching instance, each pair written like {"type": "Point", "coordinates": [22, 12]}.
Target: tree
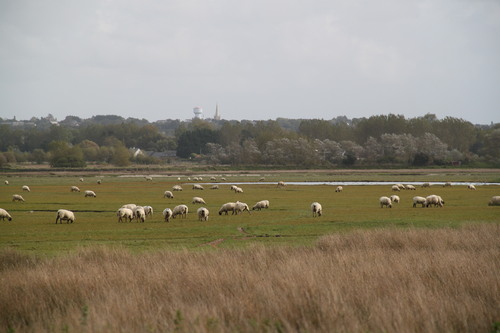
{"type": "Point", "coordinates": [195, 141]}
{"type": "Point", "coordinates": [65, 156]}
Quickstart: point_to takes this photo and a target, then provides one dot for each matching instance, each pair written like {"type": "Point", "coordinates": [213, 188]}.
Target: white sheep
{"type": "Point", "coordinates": [317, 209]}
{"type": "Point", "coordinates": [181, 210]}
{"type": "Point", "coordinates": [385, 201]}
{"type": "Point", "coordinates": [125, 214]}
{"type": "Point", "coordinates": [227, 207]}
{"type": "Point", "coordinates": [426, 185]}
{"type": "Point", "coordinates": [148, 178]}
{"type": "Point", "coordinates": [129, 206]}
{"type": "Point", "coordinates": [261, 204]}
{"type": "Point", "coordinates": [418, 200]}
{"type": "Point", "coordinates": [240, 207]}
{"type": "Point", "coordinates": [26, 188]}
{"type": "Point", "coordinates": [6, 182]}
{"type": "Point", "coordinates": [261, 179]}
{"type": "Point", "coordinates": [75, 189]}
{"type": "Point", "coordinates": [203, 214]}
{"type": "Point", "coordinates": [395, 198]}
{"type": "Point", "coordinates": [176, 188]}
{"type": "Point", "coordinates": [197, 187]}
{"type": "Point", "coordinates": [81, 179]}
{"type": "Point", "coordinates": [395, 188]}
{"type": "Point", "coordinates": [167, 214]}
{"type": "Point", "coordinates": [495, 201]}
{"type": "Point", "coordinates": [401, 186]}
{"type": "Point", "coordinates": [213, 178]}
{"type": "Point", "coordinates": [99, 182]}
{"type": "Point", "coordinates": [238, 190]}
{"type": "Point", "coordinates": [168, 195]}
{"type": "Point", "coordinates": [410, 187]}
{"type": "Point", "coordinates": [281, 184]}
{"type": "Point", "coordinates": [214, 187]}
{"type": "Point", "coordinates": [471, 187]}
{"type": "Point", "coordinates": [199, 200]}
{"type": "Point", "coordinates": [223, 179]}
{"type": "Point", "coordinates": [148, 210]}
{"type": "Point", "coordinates": [5, 215]}
{"type": "Point", "coordinates": [139, 213]}
{"type": "Point", "coordinates": [233, 187]}
{"type": "Point", "coordinates": [339, 189]}
{"type": "Point", "coordinates": [90, 194]}
{"type": "Point", "coordinates": [17, 197]}
{"type": "Point", "coordinates": [434, 200]}
{"type": "Point", "coordinates": [65, 215]}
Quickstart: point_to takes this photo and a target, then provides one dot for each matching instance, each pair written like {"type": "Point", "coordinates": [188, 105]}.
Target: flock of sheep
{"type": "Point", "coordinates": [130, 212]}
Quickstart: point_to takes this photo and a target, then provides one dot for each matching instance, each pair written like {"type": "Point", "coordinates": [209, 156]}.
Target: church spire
{"type": "Point", "coordinates": [217, 114]}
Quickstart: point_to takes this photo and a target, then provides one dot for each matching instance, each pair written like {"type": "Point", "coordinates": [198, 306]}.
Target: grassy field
{"type": "Point", "coordinates": [357, 268]}
{"type": "Point", "coordinates": [287, 221]}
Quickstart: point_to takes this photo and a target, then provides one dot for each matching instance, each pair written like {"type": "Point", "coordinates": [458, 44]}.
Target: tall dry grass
{"type": "Point", "coordinates": [445, 280]}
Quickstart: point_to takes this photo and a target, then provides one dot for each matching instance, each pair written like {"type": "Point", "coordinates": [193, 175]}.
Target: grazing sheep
{"type": "Point", "coordinates": [261, 204]}
{"type": "Point", "coordinates": [426, 185]}
{"type": "Point", "coordinates": [99, 182]}
{"type": "Point", "coordinates": [75, 189]}
{"type": "Point", "coordinates": [199, 200]}
{"type": "Point", "coordinates": [81, 179]}
{"type": "Point", "coordinates": [213, 178]}
{"type": "Point", "coordinates": [471, 187]}
{"type": "Point", "coordinates": [261, 179]}
{"type": "Point", "coordinates": [223, 179]}
{"type": "Point", "coordinates": [395, 188]}
{"type": "Point", "coordinates": [203, 214]}
{"type": "Point", "coordinates": [238, 190]}
{"type": "Point", "coordinates": [181, 210]}
{"type": "Point", "coordinates": [176, 188]}
{"type": "Point", "coordinates": [281, 184]}
{"type": "Point", "coordinates": [168, 195]}
{"type": "Point", "coordinates": [90, 194]}
{"type": "Point", "coordinates": [148, 178]}
{"type": "Point", "coordinates": [418, 200]}
{"type": "Point", "coordinates": [434, 200]}
{"type": "Point", "coordinates": [385, 201]}
{"type": "Point", "coordinates": [17, 197]}
{"type": "Point", "coordinates": [240, 207]}
{"type": "Point", "coordinates": [227, 207]}
{"type": "Point", "coordinates": [495, 201]}
{"type": "Point", "coordinates": [6, 182]}
{"type": "Point", "coordinates": [214, 187]}
{"type": "Point", "coordinates": [317, 209]}
{"type": "Point", "coordinates": [140, 214]}
{"type": "Point", "coordinates": [130, 206]}
{"type": "Point", "coordinates": [26, 188]}
{"type": "Point", "coordinates": [339, 189]}
{"type": "Point", "coordinates": [401, 186]}
{"type": "Point", "coordinates": [125, 214]}
{"type": "Point", "coordinates": [410, 187]}
{"type": "Point", "coordinates": [167, 214]}
{"type": "Point", "coordinates": [395, 198]}
{"type": "Point", "coordinates": [197, 187]}
{"type": "Point", "coordinates": [5, 215]}
{"type": "Point", "coordinates": [233, 187]}
{"type": "Point", "coordinates": [148, 210]}
{"type": "Point", "coordinates": [65, 215]}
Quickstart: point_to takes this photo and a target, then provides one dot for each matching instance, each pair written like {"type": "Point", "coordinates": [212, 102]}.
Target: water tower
{"type": "Point", "coordinates": [198, 112]}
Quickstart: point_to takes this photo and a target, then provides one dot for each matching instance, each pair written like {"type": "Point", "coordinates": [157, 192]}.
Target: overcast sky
{"type": "Point", "coordinates": [258, 59]}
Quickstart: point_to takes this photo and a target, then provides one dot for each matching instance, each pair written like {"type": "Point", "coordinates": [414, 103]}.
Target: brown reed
{"type": "Point", "coordinates": [415, 280]}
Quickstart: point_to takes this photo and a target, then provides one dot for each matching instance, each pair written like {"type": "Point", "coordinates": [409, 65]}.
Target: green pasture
{"type": "Point", "coordinates": [288, 221]}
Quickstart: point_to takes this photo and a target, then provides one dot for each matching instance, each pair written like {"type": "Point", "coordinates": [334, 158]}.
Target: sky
{"type": "Point", "coordinates": [255, 59]}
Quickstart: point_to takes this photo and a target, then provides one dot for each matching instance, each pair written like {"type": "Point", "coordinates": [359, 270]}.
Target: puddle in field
{"type": "Point", "coordinates": [348, 183]}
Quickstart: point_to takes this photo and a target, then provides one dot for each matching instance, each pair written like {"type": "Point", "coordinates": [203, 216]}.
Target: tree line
{"type": "Point", "coordinates": [389, 140]}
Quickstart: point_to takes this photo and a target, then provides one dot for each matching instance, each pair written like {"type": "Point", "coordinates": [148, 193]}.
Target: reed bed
{"type": "Point", "coordinates": [387, 280]}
